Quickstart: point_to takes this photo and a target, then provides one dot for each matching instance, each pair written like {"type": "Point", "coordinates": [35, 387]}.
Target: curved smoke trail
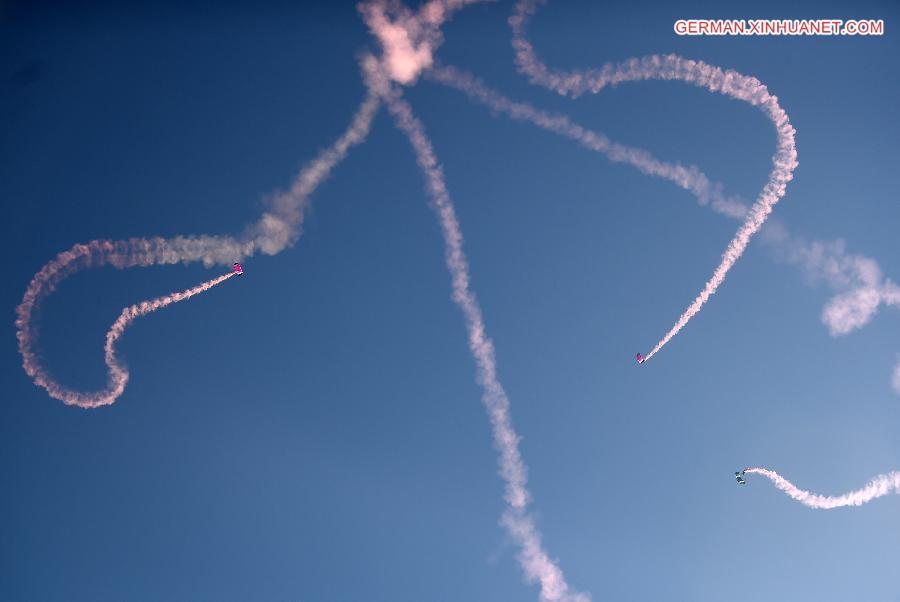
{"type": "Point", "coordinates": [536, 563]}
{"type": "Point", "coordinates": [862, 286]}
{"type": "Point", "coordinates": [698, 73]}
{"type": "Point", "coordinates": [408, 41]}
{"type": "Point", "coordinates": [883, 484]}
{"type": "Point", "coordinates": [117, 373]}
{"type": "Point", "coordinates": [278, 228]}
{"type": "Point", "coordinates": [689, 178]}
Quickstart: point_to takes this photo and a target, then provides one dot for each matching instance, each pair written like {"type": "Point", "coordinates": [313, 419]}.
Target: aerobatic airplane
{"type": "Point", "coordinates": [237, 269]}
{"type": "Point", "coordinates": [639, 358]}
{"type": "Point", "coordinates": [739, 477]}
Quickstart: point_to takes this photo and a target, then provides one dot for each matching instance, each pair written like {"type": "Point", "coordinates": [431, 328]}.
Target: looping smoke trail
{"type": "Point", "coordinates": [117, 373]}
{"type": "Point", "coordinates": [278, 228]}
{"type": "Point", "coordinates": [538, 566]}
{"type": "Point", "coordinates": [698, 73]}
{"type": "Point", "coordinates": [881, 485]}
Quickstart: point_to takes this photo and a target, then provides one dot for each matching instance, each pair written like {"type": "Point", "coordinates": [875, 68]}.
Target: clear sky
{"type": "Point", "coordinates": [313, 431]}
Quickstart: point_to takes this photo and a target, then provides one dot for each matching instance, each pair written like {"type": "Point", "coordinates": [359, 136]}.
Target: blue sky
{"type": "Point", "coordinates": [313, 431]}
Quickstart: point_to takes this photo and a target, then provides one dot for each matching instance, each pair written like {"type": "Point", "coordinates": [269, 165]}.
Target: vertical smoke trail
{"type": "Point", "coordinates": [277, 229]}
{"type": "Point", "coordinates": [880, 486]}
{"type": "Point", "coordinates": [538, 566]}
{"type": "Point", "coordinates": [698, 73]}
{"type": "Point", "coordinates": [689, 178]}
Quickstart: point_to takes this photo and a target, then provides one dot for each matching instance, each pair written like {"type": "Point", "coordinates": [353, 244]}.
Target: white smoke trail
{"type": "Point", "coordinates": [859, 280]}
{"type": "Point", "coordinates": [277, 229]}
{"type": "Point", "coordinates": [698, 73]}
{"type": "Point", "coordinates": [117, 374]}
{"type": "Point", "coordinates": [280, 227]}
{"type": "Point", "coordinates": [881, 485]}
{"type": "Point", "coordinates": [537, 565]}
{"type": "Point", "coordinates": [862, 288]}
{"type": "Point", "coordinates": [408, 39]}
{"type": "Point", "coordinates": [689, 178]}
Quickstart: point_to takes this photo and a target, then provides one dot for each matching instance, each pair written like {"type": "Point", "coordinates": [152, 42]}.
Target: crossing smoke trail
{"type": "Point", "coordinates": [883, 484]}
{"type": "Point", "coordinates": [408, 38]}
{"type": "Point", "coordinates": [689, 178]}
{"type": "Point", "coordinates": [845, 312]}
{"type": "Point", "coordinates": [402, 62]}
{"type": "Point", "coordinates": [861, 287]}
{"type": "Point", "coordinates": [535, 562]}
{"type": "Point", "coordinates": [698, 73]}
{"type": "Point", "coordinates": [537, 565]}
{"type": "Point", "coordinates": [278, 228]}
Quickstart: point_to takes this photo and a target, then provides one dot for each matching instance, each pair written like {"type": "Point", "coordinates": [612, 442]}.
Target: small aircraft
{"type": "Point", "coordinates": [739, 477]}
{"type": "Point", "coordinates": [237, 269]}
{"type": "Point", "coordinates": [639, 358]}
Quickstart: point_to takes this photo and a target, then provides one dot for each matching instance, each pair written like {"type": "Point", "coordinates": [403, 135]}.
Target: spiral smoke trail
{"type": "Point", "coordinates": [277, 229]}
{"type": "Point", "coordinates": [698, 73]}
{"type": "Point", "coordinates": [881, 485]}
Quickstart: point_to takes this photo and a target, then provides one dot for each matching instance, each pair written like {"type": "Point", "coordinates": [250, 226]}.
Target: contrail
{"type": "Point", "coordinates": [277, 229]}
{"type": "Point", "coordinates": [862, 286]}
{"type": "Point", "coordinates": [698, 73]}
{"type": "Point", "coordinates": [117, 374]}
{"type": "Point", "coordinates": [537, 565]}
{"type": "Point", "coordinates": [687, 177]}
{"type": "Point", "coordinates": [408, 38]}
{"type": "Point", "coordinates": [858, 279]}
{"type": "Point", "coordinates": [881, 485]}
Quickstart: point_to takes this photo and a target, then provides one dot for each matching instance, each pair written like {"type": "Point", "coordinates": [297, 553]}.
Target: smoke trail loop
{"type": "Point", "coordinates": [277, 229]}
{"type": "Point", "coordinates": [117, 373]}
